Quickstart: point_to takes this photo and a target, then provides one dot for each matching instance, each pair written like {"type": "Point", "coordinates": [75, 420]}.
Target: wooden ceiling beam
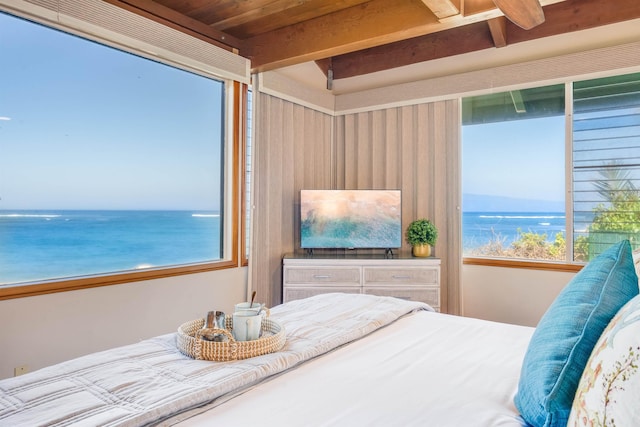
{"type": "Point", "coordinates": [443, 8]}
{"type": "Point", "coordinates": [325, 65]}
{"type": "Point", "coordinates": [498, 29]}
{"type": "Point", "coordinates": [576, 15]}
{"type": "Point", "coordinates": [455, 41]}
{"type": "Point", "coordinates": [563, 17]}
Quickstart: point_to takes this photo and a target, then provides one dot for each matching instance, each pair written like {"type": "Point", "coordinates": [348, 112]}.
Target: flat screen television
{"type": "Point", "coordinates": [350, 219]}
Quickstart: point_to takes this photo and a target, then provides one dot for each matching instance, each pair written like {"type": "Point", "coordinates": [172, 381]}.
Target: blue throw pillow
{"type": "Point", "coordinates": [563, 341]}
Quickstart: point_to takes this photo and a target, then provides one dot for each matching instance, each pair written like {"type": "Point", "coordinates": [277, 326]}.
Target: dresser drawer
{"type": "Point", "coordinates": [323, 276]}
{"type": "Point", "coordinates": [293, 292]}
{"type": "Point", "coordinates": [382, 275]}
{"type": "Point", "coordinates": [430, 295]}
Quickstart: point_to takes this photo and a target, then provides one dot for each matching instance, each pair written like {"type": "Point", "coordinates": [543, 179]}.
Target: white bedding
{"type": "Point", "coordinates": [151, 381]}
{"type": "Point", "coordinates": [422, 368]}
{"type": "Point", "coordinates": [426, 369]}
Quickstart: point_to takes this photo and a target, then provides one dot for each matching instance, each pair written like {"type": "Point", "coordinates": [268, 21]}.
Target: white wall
{"type": "Point", "coordinates": [47, 329]}
{"type": "Point", "coordinates": [511, 295]}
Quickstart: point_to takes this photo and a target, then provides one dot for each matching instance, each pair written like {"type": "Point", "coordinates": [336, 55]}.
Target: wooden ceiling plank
{"type": "Point", "coordinates": [253, 14]}
{"type": "Point", "coordinates": [303, 11]}
{"type": "Point", "coordinates": [443, 8]}
{"type": "Point", "coordinates": [281, 13]}
{"type": "Point", "coordinates": [185, 6]}
{"type": "Point", "coordinates": [171, 18]}
{"type": "Point", "coordinates": [210, 12]}
{"type": "Point", "coordinates": [369, 24]}
{"type": "Point", "coordinates": [498, 29]}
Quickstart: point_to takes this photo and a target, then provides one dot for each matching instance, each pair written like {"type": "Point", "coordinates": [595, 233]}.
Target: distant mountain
{"type": "Point", "coordinates": [485, 203]}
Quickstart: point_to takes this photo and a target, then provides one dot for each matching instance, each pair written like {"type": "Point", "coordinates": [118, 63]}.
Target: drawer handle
{"type": "Point", "coordinates": [401, 277]}
{"type": "Point", "coordinates": [321, 276]}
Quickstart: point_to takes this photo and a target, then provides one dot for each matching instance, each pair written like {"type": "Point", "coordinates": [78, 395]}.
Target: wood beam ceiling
{"type": "Point", "coordinates": [355, 37]}
{"type": "Point", "coordinates": [567, 16]}
{"type": "Point", "coordinates": [363, 26]}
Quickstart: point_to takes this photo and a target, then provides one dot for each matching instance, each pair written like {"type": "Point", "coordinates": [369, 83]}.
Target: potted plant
{"type": "Point", "coordinates": [421, 235]}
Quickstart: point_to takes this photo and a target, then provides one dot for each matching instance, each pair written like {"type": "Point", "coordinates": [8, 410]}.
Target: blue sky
{"type": "Point", "coordinates": [519, 159]}
{"type": "Point", "coordinates": [69, 139]}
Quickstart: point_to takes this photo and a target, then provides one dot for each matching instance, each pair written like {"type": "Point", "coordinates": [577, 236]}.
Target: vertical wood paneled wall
{"type": "Point", "coordinates": [415, 149]}
{"type": "Point", "coordinates": [292, 148]}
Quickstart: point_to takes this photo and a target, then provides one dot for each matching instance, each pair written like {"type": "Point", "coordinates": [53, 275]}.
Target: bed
{"type": "Point", "coordinates": [364, 360]}
{"type": "Point", "coordinates": [426, 366]}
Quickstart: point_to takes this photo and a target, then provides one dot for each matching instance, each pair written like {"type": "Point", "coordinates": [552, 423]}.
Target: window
{"type": "Point", "coordinates": [110, 162]}
{"type": "Point", "coordinates": [606, 164]}
{"type": "Point", "coordinates": [513, 174]}
{"type": "Point", "coordinates": [514, 170]}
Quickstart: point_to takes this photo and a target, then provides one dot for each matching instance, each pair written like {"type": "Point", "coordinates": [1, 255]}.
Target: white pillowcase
{"type": "Point", "coordinates": [609, 389]}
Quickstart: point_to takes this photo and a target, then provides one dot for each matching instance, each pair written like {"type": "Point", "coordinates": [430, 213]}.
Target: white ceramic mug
{"type": "Point", "coordinates": [246, 325]}
{"type": "Point", "coordinates": [246, 306]}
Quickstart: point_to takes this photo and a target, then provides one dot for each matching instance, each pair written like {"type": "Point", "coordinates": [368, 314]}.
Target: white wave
{"type": "Point", "coordinates": [523, 216]}
{"type": "Point", "coordinates": [143, 266]}
{"type": "Point", "coordinates": [29, 216]}
{"type": "Point", "coordinates": [544, 223]}
{"type": "Point", "coordinates": [205, 215]}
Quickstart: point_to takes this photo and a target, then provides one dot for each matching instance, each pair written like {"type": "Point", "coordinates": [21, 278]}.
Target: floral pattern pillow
{"type": "Point", "coordinates": [609, 390]}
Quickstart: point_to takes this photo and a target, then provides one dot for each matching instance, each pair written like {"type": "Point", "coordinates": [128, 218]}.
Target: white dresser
{"type": "Point", "coordinates": [405, 277]}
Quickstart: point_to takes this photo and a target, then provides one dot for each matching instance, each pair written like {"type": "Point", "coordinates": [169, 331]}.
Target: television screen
{"type": "Point", "coordinates": [350, 219]}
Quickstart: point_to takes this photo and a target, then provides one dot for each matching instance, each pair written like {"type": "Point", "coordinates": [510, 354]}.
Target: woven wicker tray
{"type": "Point", "coordinates": [189, 342]}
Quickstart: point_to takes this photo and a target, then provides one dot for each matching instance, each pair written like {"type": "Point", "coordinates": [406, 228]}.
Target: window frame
{"type": "Point", "coordinates": [568, 265]}
{"type": "Point", "coordinates": [233, 181]}
{"type": "Point", "coordinates": [521, 263]}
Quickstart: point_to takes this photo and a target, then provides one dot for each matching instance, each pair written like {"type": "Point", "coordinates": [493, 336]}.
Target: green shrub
{"type": "Point", "coordinates": [422, 231]}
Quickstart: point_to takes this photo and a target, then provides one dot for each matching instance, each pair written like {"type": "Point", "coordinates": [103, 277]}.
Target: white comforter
{"type": "Point", "coordinates": [426, 369]}
{"type": "Point", "coordinates": [151, 382]}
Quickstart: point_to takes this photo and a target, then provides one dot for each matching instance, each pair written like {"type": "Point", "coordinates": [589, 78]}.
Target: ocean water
{"type": "Point", "coordinates": [38, 245]}
{"type": "Point", "coordinates": [478, 228]}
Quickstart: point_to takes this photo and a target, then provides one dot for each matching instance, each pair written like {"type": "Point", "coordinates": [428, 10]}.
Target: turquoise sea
{"type": "Point", "coordinates": [46, 244]}
{"type": "Point", "coordinates": [478, 228]}
{"type": "Point", "coordinates": [37, 245]}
